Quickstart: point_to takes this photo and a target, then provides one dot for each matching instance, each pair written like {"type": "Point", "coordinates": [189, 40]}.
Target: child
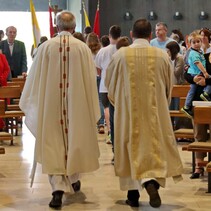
{"type": "Point", "coordinates": [197, 64]}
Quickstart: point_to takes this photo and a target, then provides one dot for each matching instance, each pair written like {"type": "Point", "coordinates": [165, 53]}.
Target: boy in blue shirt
{"type": "Point", "coordinates": [197, 64]}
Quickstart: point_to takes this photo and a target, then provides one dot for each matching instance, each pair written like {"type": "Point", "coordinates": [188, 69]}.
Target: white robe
{"type": "Point", "coordinates": [61, 87]}
{"type": "Point", "coordinates": [139, 82]}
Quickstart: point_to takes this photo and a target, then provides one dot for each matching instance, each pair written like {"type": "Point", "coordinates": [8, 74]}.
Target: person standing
{"type": "Point", "coordinates": [102, 60]}
{"type": "Point", "coordinates": [60, 99]}
{"type": "Point", "coordinates": [178, 63]}
{"type": "Point", "coordinates": [1, 35]}
{"type": "Point", "coordinates": [197, 66]}
{"type": "Point", "coordinates": [4, 72]}
{"type": "Point", "coordinates": [161, 39]}
{"type": "Point", "coordinates": [201, 131]}
{"type": "Point", "coordinates": [15, 52]}
{"type": "Point", "coordinates": [206, 38]}
{"type": "Point", "coordinates": [93, 43]}
{"type": "Point", "coordinates": [139, 86]}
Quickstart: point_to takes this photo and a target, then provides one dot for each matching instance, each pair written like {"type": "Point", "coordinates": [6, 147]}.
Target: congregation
{"type": "Point", "coordinates": [121, 86]}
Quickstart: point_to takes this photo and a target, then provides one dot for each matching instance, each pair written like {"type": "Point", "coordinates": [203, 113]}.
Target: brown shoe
{"type": "Point", "coordinates": [152, 190]}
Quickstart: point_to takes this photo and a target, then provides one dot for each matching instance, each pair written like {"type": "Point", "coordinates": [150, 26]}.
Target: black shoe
{"type": "Point", "coordinates": [132, 198]}
{"type": "Point", "coordinates": [204, 96]}
{"type": "Point", "coordinates": [196, 175]}
{"type": "Point", "coordinates": [76, 186]}
{"type": "Point", "coordinates": [56, 201]}
{"type": "Point", "coordinates": [112, 161]}
{"type": "Point", "coordinates": [152, 189]}
{"type": "Point", "coordinates": [132, 203]}
{"type": "Point", "coordinates": [188, 112]}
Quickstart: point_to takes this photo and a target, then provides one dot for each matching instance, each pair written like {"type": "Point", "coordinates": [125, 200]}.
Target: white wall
{"type": "Point", "coordinates": [22, 21]}
{"type": "Point", "coordinates": [74, 6]}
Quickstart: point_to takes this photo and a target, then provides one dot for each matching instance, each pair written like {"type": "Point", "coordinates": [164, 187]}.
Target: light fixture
{"type": "Point", "coordinates": [128, 16]}
{"type": "Point", "coordinates": [177, 16]}
{"type": "Point", "coordinates": [203, 15]}
{"type": "Point", "coordinates": [152, 16]}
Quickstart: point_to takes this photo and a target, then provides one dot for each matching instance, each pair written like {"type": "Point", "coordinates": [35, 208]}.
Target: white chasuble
{"type": "Point", "coordinates": [60, 101]}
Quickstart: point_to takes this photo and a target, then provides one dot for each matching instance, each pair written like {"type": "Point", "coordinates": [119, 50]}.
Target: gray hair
{"type": "Point", "coordinates": [11, 27]}
{"type": "Point", "coordinates": [65, 21]}
{"type": "Point", "coordinates": [162, 24]}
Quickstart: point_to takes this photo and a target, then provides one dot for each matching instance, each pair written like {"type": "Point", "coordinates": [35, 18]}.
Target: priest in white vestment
{"type": "Point", "coordinates": [60, 101]}
{"type": "Point", "coordinates": [139, 82]}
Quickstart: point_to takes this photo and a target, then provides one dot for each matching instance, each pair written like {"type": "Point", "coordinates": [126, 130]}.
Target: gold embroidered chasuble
{"type": "Point", "coordinates": [139, 82]}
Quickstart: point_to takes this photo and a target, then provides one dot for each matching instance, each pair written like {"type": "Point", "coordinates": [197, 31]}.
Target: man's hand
{"type": "Point", "coordinates": [199, 80]}
{"type": "Point", "coordinates": [24, 74]}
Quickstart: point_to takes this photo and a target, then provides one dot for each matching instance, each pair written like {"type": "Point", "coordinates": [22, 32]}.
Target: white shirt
{"type": "Point", "coordinates": [102, 61]}
{"type": "Point", "coordinates": [11, 45]}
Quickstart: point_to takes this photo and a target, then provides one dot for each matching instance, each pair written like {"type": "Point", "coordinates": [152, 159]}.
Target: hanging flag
{"type": "Point", "coordinates": [87, 23]}
{"type": "Point", "coordinates": [52, 32]}
{"type": "Point", "coordinates": [96, 28]}
{"type": "Point", "coordinates": [35, 25]}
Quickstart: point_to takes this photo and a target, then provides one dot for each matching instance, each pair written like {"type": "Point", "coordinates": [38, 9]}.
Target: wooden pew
{"type": "Point", "coordinates": [202, 115]}
{"type": "Point", "coordinates": [2, 150]}
{"type": "Point", "coordinates": [19, 79]}
{"type": "Point", "coordinates": [180, 91]}
{"type": "Point", "coordinates": [10, 116]}
{"type": "Point", "coordinates": [16, 82]}
{"type": "Point", "coordinates": [4, 136]}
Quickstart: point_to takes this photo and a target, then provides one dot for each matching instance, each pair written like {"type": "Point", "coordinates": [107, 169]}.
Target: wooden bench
{"type": "Point", "coordinates": [2, 150]}
{"type": "Point", "coordinates": [11, 116]}
{"type": "Point", "coordinates": [16, 83]}
{"type": "Point", "coordinates": [4, 136]}
{"type": "Point", "coordinates": [180, 91]}
{"type": "Point", "coordinates": [202, 115]}
{"type": "Point", "coordinates": [184, 133]}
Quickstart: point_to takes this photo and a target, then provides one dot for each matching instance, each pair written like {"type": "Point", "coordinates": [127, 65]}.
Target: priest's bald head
{"type": "Point", "coordinates": [65, 21]}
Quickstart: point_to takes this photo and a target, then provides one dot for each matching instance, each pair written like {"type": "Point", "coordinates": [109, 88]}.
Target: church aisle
{"type": "Point", "coordinates": [100, 189]}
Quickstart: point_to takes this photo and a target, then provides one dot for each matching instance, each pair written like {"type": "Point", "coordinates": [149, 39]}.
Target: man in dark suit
{"type": "Point", "coordinates": [15, 53]}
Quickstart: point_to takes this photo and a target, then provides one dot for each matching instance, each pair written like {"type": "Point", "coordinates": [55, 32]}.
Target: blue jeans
{"type": "Point", "coordinates": [190, 95]}
{"type": "Point", "coordinates": [207, 89]}
{"type": "Point", "coordinates": [174, 106]}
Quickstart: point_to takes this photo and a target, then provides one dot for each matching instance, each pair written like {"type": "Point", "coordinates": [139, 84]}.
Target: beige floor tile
{"type": "Point", "coordinates": [100, 189]}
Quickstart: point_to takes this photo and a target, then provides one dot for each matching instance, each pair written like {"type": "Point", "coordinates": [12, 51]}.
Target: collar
{"type": "Point", "coordinates": [65, 33]}
{"type": "Point", "coordinates": [10, 44]}
{"type": "Point", "coordinates": [199, 51]}
{"type": "Point", "coordinates": [139, 42]}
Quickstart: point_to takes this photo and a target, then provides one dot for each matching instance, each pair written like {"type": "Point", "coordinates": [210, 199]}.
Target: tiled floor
{"type": "Point", "coordinates": [100, 189]}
